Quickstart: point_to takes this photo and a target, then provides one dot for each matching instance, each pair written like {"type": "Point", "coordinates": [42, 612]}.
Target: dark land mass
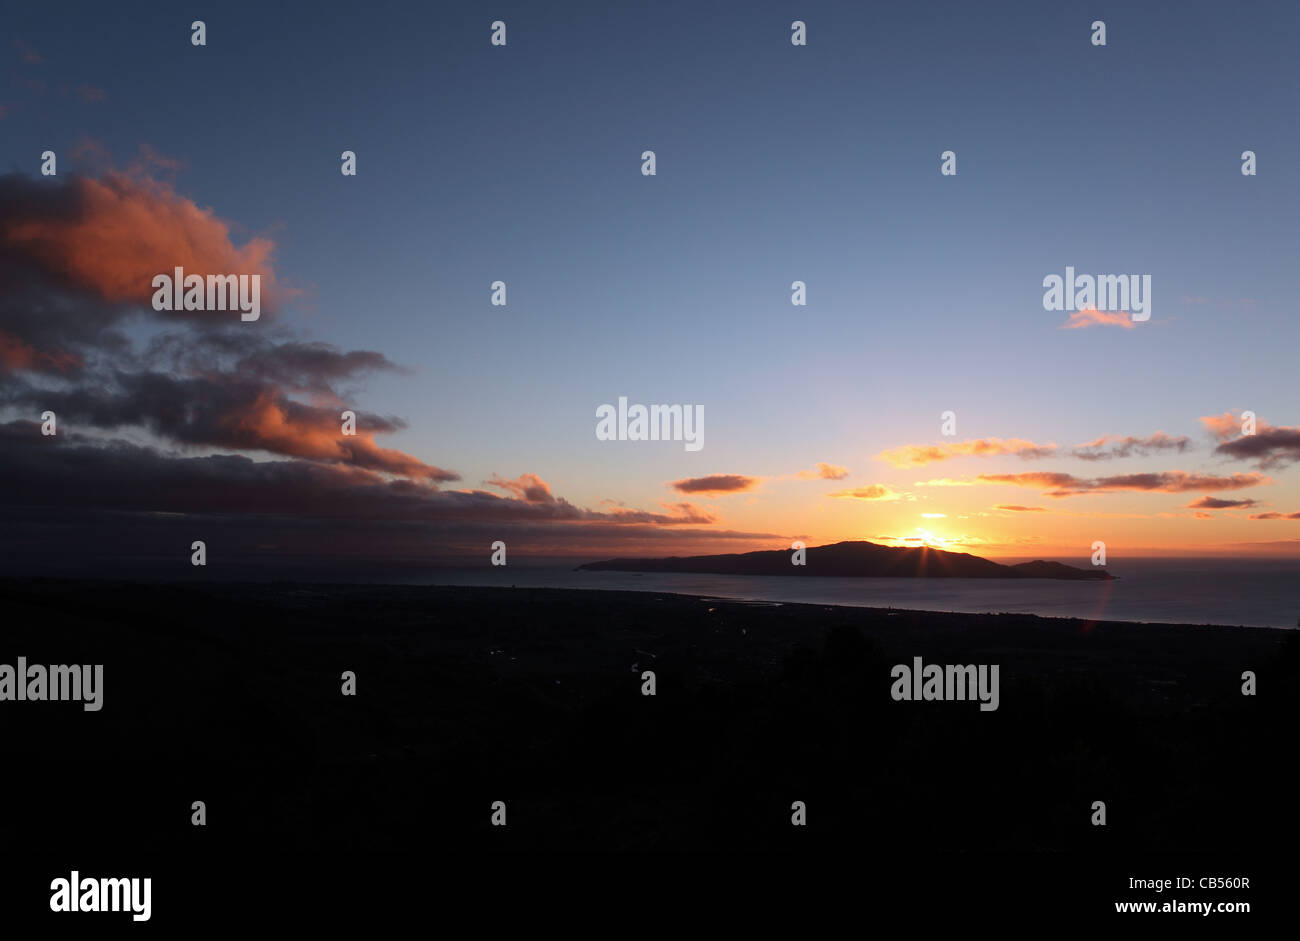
{"type": "Point", "coordinates": [853, 560]}
{"type": "Point", "coordinates": [230, 694]}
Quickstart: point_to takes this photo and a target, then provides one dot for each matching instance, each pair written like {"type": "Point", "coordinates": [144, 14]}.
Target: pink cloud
{"type": "Point", "coordinates": [824, 471]}
{"type": "Point", "coordinates": [1091, 317]}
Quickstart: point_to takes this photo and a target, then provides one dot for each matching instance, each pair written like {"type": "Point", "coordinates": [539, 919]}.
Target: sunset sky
{"type": "Point", "coordinates": [774, 164]}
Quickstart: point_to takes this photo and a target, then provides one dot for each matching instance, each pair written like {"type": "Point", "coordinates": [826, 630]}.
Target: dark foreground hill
{"type": "Point", "coordinates": [231, 694]}
{"type": "Point", "coordinates": [854, 560]}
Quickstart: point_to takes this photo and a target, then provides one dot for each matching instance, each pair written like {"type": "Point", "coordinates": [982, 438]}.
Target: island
{"type": "Point", "coordinates": [853, 559]}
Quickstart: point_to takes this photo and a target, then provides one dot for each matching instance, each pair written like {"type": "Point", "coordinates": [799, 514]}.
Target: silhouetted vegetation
{"type": "Point", "coordinates": [232, 695]}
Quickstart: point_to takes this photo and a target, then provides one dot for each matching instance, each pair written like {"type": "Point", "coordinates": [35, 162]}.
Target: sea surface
{"type": "Point", "coordinates": [1230, 592]}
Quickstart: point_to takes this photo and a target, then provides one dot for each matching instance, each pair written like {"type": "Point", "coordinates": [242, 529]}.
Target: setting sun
{"type": "Point", "coordinates": [932, 540]}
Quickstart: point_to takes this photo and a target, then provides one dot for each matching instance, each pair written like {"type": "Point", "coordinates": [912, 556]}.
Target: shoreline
{"type": "Point", "coordinates": [261, 586]}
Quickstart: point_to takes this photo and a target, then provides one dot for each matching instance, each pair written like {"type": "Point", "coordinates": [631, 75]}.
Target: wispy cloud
{"type": "Point", "coordinates": [89, 94]}
{"type": "Point", "coordinates": [1108, 447]}
{"type": "Point", "coordinates": [870, 492]}
{"type": "Point", "coordinates": [27, 54]}
{"type": "Point", "coordinates": [1105, 448]}
{"type": "Point", "coordinates": [915, 455]}
{"type": "Point", "coordinates": [1091, 317]}
{"type": "Point", "coordinates": [1066, 485]}
{"type": "Point", "coordinates": [824, 472]}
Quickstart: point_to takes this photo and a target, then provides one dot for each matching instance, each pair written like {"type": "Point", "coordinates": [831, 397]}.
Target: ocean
{"type": "Point", "coordinates": [1229, 592]}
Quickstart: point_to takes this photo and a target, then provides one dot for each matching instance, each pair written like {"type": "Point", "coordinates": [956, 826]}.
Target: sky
{"type": "Point", "coordinates": [775, 163]}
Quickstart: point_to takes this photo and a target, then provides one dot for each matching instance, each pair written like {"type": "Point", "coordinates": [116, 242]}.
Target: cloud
{"type": "Point", "coordinates": [230, 410]}
{"type": "Point", "coordinates": [1021, 509]}
{"type": "Point", "coordinates": [679, 513]}
{"type": "Point", "coordinates": [1215, 503]}
{"type": "Point", "coordinates": [1065, 485]}
{"type": "Point", "coordinates": [1092, 317]}
{"type": "Point", "coordinates": [148, 419]}
{"type": "Point", "coordinates": [27, 54]}
{"type": "Point", "coordinates": [1203, 516]}
{"type": "Point", "coordinates": [136, 478]}
{"type": "Point", "coordinates": [1113, 446]}
{"type": "Point", "coordinates": [1270, 447]}
{"type": "Point", "coordinates": [112, 235]}
{"type": "Point", "coordinates": [73, 475]}
{"type": "Point", "coordinates": [716, 483]}
{"type": "Point", "coordinates": [89, 94]}
{"type": "Point", "coordinates": [1222, 426]}
{"type": "Point", "coordinates": [529, 487]}
{"type": "Point", "coordinates": [824, 472]}
{"type": "Point", "coordinates": [1275, 516]}
{"type": "Point", "coordinates": [16, 356]}
{"type": "Point", "coordinates": [310, 367]}
{"type": "Point", "coordinates": [1104, 448]}
{"type": "Point", "coordinates": [205, 384]}
{"type": "Point", "coordinates": [871, 492]}
{"type": "Point", "coordinates": [914, 455]}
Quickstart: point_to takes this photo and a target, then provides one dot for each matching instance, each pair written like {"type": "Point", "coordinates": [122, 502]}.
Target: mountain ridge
{"type": "Point", "coordinates": [853, 559]}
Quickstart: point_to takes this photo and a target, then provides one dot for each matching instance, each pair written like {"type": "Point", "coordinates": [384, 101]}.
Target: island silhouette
{"type": "Point", "coordinates": [853, 559]}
